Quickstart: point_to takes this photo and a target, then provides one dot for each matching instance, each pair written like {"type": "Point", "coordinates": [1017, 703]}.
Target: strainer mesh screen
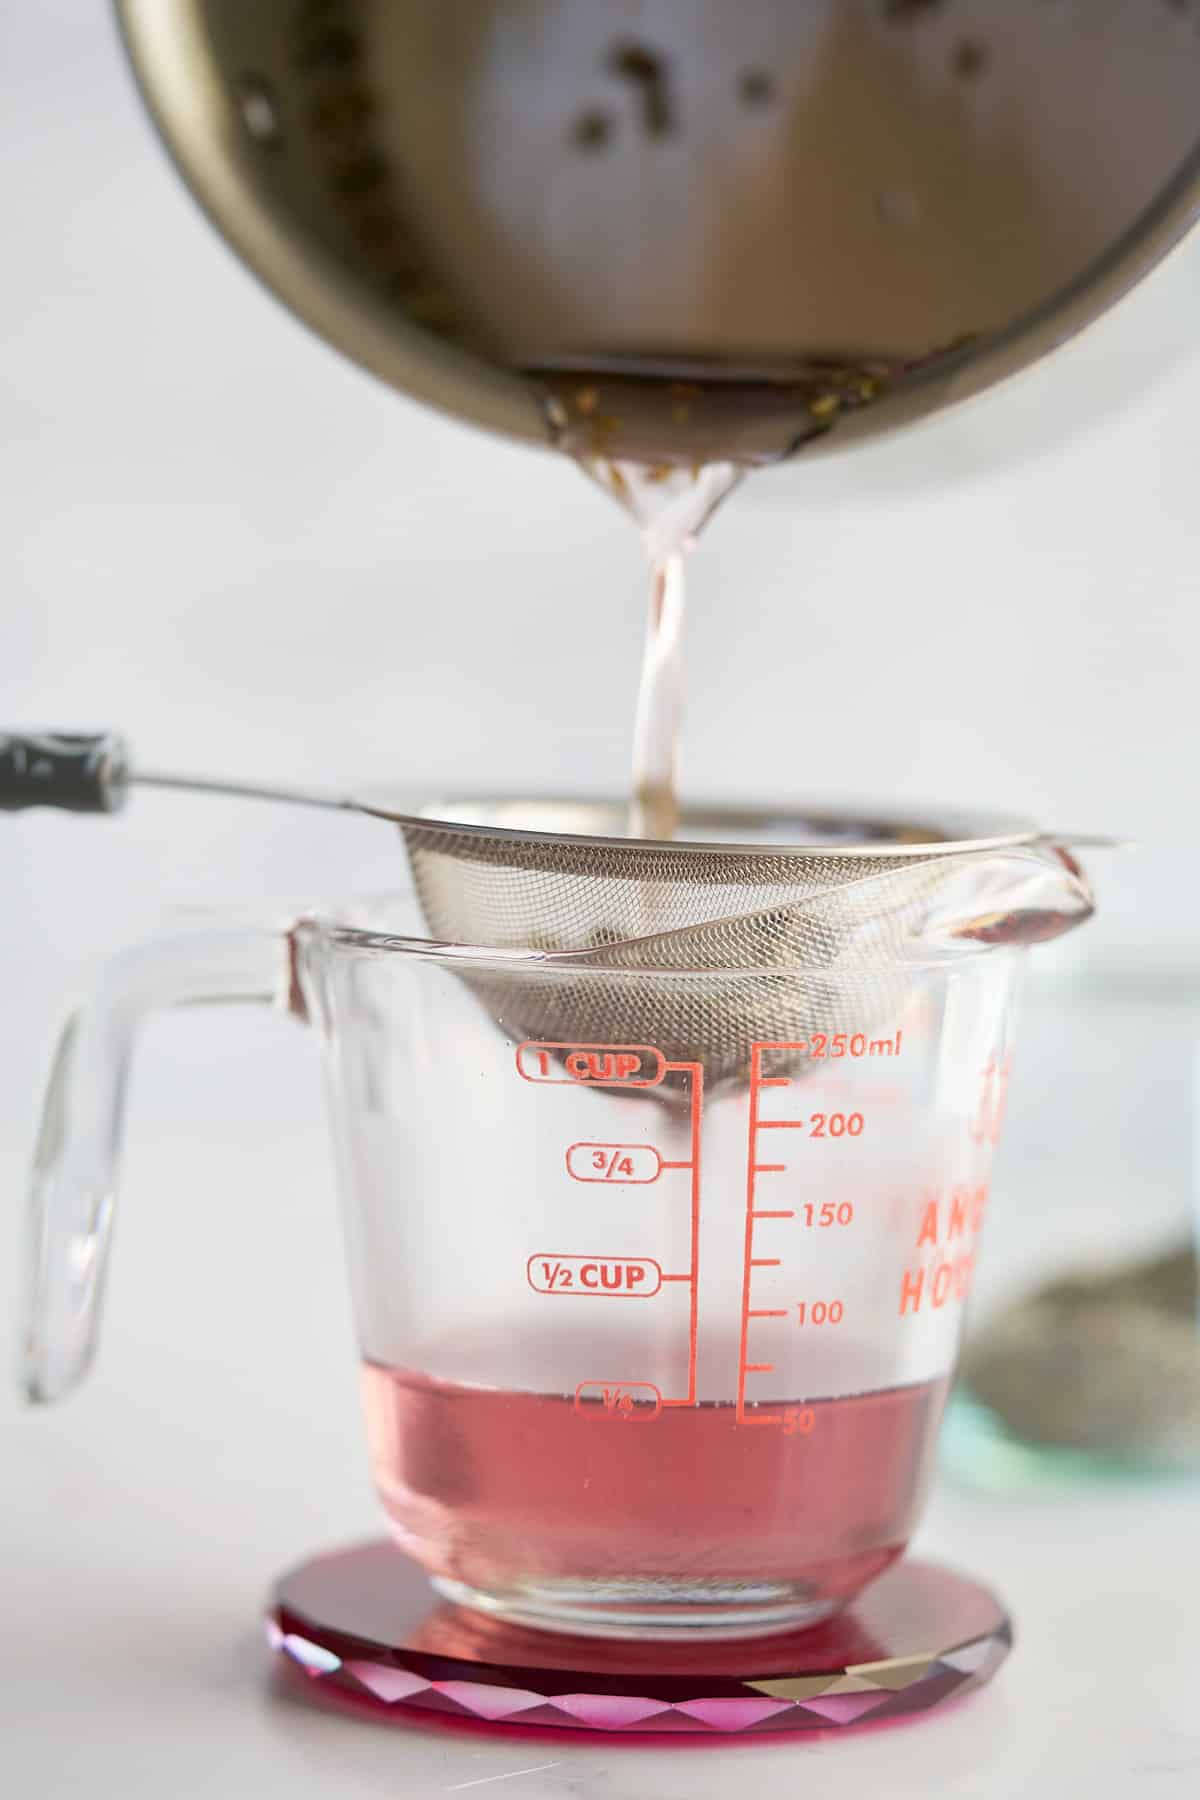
{"type": "Point", "coordinates": [825, 934]}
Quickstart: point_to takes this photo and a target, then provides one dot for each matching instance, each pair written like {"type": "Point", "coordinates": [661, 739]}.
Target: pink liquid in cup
{"type": "Point", "coordinates": [540, 1503]}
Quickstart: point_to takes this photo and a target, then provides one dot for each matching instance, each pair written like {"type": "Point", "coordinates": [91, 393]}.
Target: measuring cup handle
{"type": "Point", "coordinates": [77, 1156]}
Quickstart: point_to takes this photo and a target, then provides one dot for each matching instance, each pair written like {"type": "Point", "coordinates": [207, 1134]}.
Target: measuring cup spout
{"type": "Point", "coordinates": [1014, 898]}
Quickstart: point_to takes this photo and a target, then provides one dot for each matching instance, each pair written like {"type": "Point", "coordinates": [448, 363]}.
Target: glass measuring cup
{"type": "Point", "coordinates": [637, 1358]}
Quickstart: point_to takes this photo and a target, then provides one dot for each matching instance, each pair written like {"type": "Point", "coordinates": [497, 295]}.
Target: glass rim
{"type": "Point", "coordinates": [578, 965]}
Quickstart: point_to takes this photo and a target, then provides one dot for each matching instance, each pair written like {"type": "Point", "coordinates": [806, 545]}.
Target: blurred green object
{"type": "Point", "coordinates": [1092, 1376]}
{"type": "Point", "coordinates": [977, 1448]}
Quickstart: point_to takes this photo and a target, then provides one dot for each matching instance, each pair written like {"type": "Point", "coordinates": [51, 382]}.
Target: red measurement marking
{"type": "Point", "coordinates": [793, 1419]}
{"type": "Point", "coordinates": [638, 1164]}
{"type": "Point", "coordinates": [820, 1312]}
{"type": "Point", "coordinates": [596, 1065]}
{"type": "Point", "coordinates": [837, 1125]}
{"type": "Point", "coordinates": [696, 1119]}
{"type": "Point", "coordinates": [829, 1212]}
{"type": "Point", "coordinates": [635, 1066]}
{"type": "Point", "coordinates": [632, 1402]}
{"type": "Point", "coordinates": [855, 1044]}
{"type": "Point", "coordinates": [985, 1127]}
{"type": "Point", "coordinates": [599, 1277]}
{"type": "Point", "coordinates": [748, 1240]}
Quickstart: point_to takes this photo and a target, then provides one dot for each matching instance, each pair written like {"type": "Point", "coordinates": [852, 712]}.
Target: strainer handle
{"type": "Point", "coordinates": [90, 772]}
{"type": "Point", "coordinates": [77, 1157]}
{"type": "Point", "coordinates": [75, 771]}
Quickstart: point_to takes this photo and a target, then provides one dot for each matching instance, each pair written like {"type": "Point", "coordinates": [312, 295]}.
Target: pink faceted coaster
{"type": "Point", "coordinates": [366, 1622]}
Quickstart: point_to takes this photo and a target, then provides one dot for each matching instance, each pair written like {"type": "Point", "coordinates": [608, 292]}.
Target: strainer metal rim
{"type": "Point", "coordinates": [945, 833]}
{"type": "Point", "coordinates": [573, 962]}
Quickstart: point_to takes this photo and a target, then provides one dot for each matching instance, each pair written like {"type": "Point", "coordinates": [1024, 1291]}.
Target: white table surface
{"type": "Point", "coordinates": [218, 1442]}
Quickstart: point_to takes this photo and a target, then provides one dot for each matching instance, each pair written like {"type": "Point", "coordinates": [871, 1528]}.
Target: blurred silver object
{"type": "Point", "coordinates": [685, 232]}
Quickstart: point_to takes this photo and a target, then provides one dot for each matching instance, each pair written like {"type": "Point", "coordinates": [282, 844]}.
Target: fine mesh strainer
{"type": "Point", "coordinates": [562, 875]}
{"type": "Point", "coordinates": [830, 906]}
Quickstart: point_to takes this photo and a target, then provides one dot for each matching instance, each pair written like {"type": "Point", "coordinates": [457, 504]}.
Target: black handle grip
{"type": "Point", "coordinates": [76, 771]}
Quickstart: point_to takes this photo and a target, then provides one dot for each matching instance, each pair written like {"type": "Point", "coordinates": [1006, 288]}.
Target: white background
{"type": "Point", "coordinates": [231, 545]}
